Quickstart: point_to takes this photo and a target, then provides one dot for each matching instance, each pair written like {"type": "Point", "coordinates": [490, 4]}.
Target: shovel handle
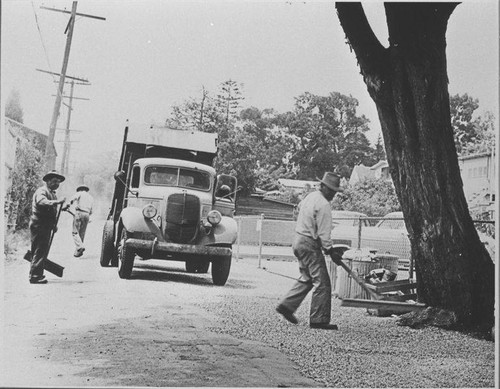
{"type": "Point", "coordinates": [357, 279]}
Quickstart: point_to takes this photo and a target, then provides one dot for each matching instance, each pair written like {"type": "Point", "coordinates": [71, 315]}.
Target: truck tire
{"type": "Point", "coordinates": [200, 266]}
{"type": "Point", "coordinates": [125, 257]}
{"type": "Point", "coordinates": [108, 245]}
{"type": "Point", "coordinates": [220, 270]}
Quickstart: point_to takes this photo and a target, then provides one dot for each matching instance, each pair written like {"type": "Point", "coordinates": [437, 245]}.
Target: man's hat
{"type": "Point", "coordinates": [53, 174]}
{"type": "Point", "coordinates": [82, 187]}
{"type": "Point", "coordinates": [332, 180]}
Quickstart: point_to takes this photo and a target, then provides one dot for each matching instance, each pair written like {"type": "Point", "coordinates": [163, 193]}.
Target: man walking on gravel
{"type": "Point", "coordinates": [312, 238]}
{"type": "Point", "coordinates": [83, 202]}
{"type": "Point", "coordinates": [42, 222]}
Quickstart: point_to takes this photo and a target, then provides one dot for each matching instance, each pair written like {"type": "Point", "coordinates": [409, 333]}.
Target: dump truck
{"type": "Point", "coordinates": [169, 203]}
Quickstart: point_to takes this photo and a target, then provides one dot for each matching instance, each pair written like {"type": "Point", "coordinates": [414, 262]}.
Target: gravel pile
{"type": "Point", "coordinates": [366, 351]}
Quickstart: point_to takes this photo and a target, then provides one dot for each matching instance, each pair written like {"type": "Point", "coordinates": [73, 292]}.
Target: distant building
{"type": "Point", "coordinates": [478, 172]}
{"type": "Point", "coordinates": [379, 171]}
{"type": "Point", "coordinates": [479, 178]}
{"type": "Point", "coordinates": [297, 185]}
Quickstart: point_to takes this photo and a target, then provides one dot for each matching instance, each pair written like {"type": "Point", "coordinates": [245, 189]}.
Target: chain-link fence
{"type": "Point", "coordinates": [385, 235]}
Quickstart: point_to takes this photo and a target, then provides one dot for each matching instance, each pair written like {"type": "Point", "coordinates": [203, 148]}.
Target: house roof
{"type": "Point", "coordinates": [296, 183]}
{"type": "Point", "coordinates": [473, 156]}
{"type": "Point", "coordinates": [379, 164]}
{"type": "Point", "coordinates": [360, 172]}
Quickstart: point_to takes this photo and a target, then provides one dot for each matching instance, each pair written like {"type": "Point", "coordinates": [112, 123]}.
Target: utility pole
{"type": "Point", "coordinates": [67, 131]}
{"type": "Point", "coordinates": [49, 151]}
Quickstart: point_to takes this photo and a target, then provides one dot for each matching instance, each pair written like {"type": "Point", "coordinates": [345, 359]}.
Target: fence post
{"type": "Point", "coordinates": [359, 232]}
{"type": "Point", "coordinates": [259, 228]}
{"type": "Point", "coordinates": [238, 239]}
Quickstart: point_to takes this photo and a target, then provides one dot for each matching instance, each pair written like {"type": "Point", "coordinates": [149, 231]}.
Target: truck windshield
{"type": "Point", "coordinates": [173, 176]}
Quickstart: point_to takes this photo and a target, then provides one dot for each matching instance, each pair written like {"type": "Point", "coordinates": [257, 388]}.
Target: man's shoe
{"type": "Point", "coordinates": [287, 314]}
{"type": "Point", "coordinates": [38, 280]}
{"type": "Point", "coordinates": [78, 253]}
{"type": "Point", "coordinates": [324, 326]}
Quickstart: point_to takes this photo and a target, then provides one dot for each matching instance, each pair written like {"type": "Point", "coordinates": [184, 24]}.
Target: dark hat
{"type": "Point", "coordinates": [82, 187]}
{"type": "Point", "coordinates": [53, 174]}
{"type": "Point", "coordinates": [332, 180]}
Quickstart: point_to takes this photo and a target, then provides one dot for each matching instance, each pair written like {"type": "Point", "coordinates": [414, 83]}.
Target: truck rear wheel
{"type": "Point", "coordinates": [220, 269]}
{"type": "Point", "coordinates": [125, 257]}
{"type": "Point", "coordinates": [108, 246]}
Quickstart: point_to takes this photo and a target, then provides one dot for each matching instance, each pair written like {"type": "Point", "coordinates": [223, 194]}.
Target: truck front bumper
{"type": "Point", "coordinates": [154, 248]}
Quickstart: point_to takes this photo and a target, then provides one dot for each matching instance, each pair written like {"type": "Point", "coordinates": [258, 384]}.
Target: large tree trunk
{"type": "Point", "coordinates": [409, 85]}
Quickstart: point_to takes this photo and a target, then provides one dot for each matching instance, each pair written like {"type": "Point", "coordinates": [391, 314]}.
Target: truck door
{"type": "Point", "coordinates": [225, 194]}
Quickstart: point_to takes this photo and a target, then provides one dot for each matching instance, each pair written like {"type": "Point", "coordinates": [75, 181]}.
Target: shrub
{"type": "Point", "coordinates": [374, 197]}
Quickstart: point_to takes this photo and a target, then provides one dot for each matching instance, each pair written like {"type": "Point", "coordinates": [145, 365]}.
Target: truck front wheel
{"type": "Point", "coordinates": [220, 269]}
{"type": "Point", "coordinates": [125, 257]}
{"type": "Point", "coordinates": [108, 246]}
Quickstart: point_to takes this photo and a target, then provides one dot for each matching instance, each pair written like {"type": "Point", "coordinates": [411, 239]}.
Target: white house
{"type": "Point", "coordinates": [479, 177]}
{"type": "Point", "coordinates": [378, 171]}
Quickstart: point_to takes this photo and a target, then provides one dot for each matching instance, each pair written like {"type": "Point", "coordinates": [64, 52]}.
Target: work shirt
{"type": "Point", "coordinates": [43, 210]}
{"type": "Point", "coordinates": [83, 201]}
{"type": "Point", "coordinates": [315, 218]}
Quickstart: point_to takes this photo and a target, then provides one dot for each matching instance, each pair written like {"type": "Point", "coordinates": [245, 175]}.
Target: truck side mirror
{"type": "Point", "coordinates": [120, 176]}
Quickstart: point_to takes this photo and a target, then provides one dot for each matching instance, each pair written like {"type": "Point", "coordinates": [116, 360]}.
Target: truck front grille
{"type": "Point", "coordinates": [182, 218]}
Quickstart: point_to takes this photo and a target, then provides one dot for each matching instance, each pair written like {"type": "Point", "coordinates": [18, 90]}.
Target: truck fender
{"type": "Point", "coordinates": [226, 231]}
{"type": "Point", "coordinates": [133, 220]}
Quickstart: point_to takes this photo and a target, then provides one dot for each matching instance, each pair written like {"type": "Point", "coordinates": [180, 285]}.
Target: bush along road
{"type": "Point", "coordinates": [166, 327]}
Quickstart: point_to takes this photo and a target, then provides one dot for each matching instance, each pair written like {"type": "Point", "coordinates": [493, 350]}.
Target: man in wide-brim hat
{"type": "Point", "coordinates": [53, 174]}
{"type": "Point", "coordinates": [83, 203]}
{"type": "Point", "coordinates": [312, 238]}
{"type": "Point", "coordinates": [43, 223]}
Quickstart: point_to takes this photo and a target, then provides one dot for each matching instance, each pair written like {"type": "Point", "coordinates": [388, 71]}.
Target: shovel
{"type": "Point", "coordinates": [48, 265]}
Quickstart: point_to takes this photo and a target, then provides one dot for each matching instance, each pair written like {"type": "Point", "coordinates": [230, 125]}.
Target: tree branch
{"type": "Point", "coordinates": [371, 55]}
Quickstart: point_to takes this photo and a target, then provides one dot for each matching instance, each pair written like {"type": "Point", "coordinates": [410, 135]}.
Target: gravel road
{"type": "Point", "coordinates": [165, 327]}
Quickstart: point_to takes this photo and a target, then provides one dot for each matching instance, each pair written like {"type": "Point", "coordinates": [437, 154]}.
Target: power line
{"type": "Point", "coordinates": [41, 37]}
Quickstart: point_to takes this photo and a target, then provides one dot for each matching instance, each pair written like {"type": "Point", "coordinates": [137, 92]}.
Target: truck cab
{"type": "Point", "coordinates": [169, 203]}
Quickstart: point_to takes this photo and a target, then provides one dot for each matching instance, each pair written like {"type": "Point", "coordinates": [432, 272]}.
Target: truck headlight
{"type": "Point", "coordinates": [149, 211]}
{"type": "Point", "coordinates": [214, 217]}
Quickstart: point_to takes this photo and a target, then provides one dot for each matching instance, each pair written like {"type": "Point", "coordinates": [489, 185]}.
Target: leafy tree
{"type": "Point", "coordinates": [237, 157]}
{"type": "Point", "coordinates": [379, 154]}
{"type": "Point", "coordinates": [462, 108]}
{"type": "Point", "coordinates": [471, 134]}
{"type": "Point", "coordinates": [229, 98]}
{"type": "Point", "coordinates": [28, 169]}
{"type": "Point", "coordinates": [202, 115]}
{"type": "Point", "coordinates": [409, 85]}
{"type": "Point", "coordinates": [374, 197]}
{"type": "Point", "coordinates": [13, 109]}
{"type": "Point", "coordinates": [329, 133]}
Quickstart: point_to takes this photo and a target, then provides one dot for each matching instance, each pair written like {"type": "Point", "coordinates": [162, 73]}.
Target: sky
{"type": "Point", "coordinates": [149, 55]}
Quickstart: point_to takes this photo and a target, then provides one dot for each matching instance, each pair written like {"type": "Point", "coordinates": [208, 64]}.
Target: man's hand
{"type": "Point", "coordinates": [335, 255]}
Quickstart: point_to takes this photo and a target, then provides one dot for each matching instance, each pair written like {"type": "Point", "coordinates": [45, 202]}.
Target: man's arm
{"type": "Point", "coordinates": [42, 199]}
{"type": "Point", "coordinates": [324, 221]}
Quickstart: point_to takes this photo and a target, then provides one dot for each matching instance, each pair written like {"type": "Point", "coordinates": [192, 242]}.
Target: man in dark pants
{"type": "Point", "coordinates": [42, 223]}
{"type": "Point", "coordinates": [312, 238]}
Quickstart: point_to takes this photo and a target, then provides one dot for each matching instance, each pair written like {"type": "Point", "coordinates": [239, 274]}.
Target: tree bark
{"type": "Point", "coordinates": [409, 84]}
